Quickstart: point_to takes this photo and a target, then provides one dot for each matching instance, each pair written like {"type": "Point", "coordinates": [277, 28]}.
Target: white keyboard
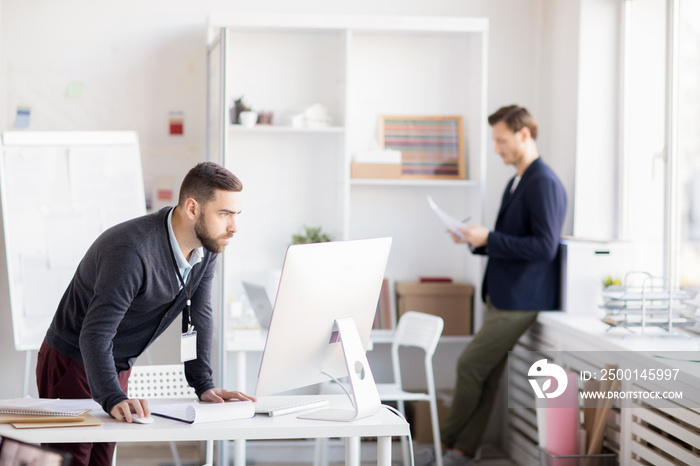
{"type": "Point", "coordinates": [282, 406]}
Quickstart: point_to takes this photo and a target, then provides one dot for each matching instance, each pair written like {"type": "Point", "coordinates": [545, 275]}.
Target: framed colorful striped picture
{"type": "Point", "coordinates": [432, 147]}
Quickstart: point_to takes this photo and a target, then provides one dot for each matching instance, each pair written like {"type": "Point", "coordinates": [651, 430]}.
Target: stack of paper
{"type": "Point", "coordinates": [47, 406]}
{"type": "Point", "coordinates": [32, 413]}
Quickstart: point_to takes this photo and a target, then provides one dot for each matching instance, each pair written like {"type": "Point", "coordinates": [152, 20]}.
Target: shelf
{"type": "Point", "coordinates": [440, 183]}
{"type": "Point", "coordinates": [266, 22]}
{"type": "Point", "coordinates": [387, 337]}
{"type": "Point", "coordinates": [378, 337]}
{"type": "Point", "coordinates": [285, 129]}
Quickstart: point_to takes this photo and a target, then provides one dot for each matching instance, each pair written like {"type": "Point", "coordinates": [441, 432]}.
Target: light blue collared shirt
{"type": "Point", "coordinates": [182, 263]}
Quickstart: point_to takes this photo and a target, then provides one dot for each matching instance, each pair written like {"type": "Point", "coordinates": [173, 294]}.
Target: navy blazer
{"type": "Point", "coordinates": [523, 268]}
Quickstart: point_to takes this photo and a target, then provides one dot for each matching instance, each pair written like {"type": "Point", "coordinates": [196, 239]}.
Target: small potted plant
{"type": "Point", "coordinates": [238, 107]}
{"type": "Point", "coordinates": [310, 235]}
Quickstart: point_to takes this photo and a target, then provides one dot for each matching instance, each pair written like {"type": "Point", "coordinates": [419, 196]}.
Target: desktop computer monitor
{"type": "Point", "coordinates": [324, 287]}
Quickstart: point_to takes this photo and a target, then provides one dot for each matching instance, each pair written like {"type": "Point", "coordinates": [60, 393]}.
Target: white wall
{"type": "Point", "coordinates": [598, 130]}
{"type": "Point", "coordinates": [579, 85]}
{"type": "Point", "coordinates": [558, 64]}
{"type": "Point", "coordinates": [139, 60]}
{"type": "Point", "coordinates": [647, 128]}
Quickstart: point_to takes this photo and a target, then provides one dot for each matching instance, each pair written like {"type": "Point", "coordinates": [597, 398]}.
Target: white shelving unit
{"type": "Point", "coordinates": [358, 68]}
{"type": "Point", "coordinates": [424, 183]}
{"type": "Point", "coordinates": [284, 129]}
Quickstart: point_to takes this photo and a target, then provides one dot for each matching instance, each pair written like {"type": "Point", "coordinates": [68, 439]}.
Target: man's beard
{"type": "Point", "coordinates": [208, 242]}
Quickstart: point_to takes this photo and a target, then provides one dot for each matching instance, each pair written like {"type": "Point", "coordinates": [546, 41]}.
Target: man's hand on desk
{"type": "Point", "coordinates": [219, 395]}
{"type": "Point", "coordinates": [475, 235]}
{"type": "Point", "coordinates": [123, 411]}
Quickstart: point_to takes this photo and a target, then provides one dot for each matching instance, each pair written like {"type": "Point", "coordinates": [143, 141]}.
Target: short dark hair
{"type": "Point", "coordinates": [204, 179]}
{"type": "Point", "coordinates": [516, 118]}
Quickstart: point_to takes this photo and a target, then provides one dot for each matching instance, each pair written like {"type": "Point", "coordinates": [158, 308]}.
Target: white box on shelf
{"type": "Point", "coordinates": [585, 265]}
{"type": "Point", "coordinates": [378, 156]}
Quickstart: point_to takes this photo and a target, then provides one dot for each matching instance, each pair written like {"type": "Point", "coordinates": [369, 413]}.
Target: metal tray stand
{"type": "Point", "coordinates": [647, 301]}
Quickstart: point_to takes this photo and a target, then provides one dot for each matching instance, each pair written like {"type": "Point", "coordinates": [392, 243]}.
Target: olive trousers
{"type": "Point", "coordinates": [479, 370]}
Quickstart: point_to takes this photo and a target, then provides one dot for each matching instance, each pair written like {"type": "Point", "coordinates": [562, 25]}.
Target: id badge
{"type": "Point", "coordinates": [188, 346]}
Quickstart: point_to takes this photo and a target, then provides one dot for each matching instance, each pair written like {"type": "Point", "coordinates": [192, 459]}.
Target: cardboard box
{"type": "Point", "coordinates": [418, 413]}
{"type": "Point", "coordinates": [375, 170]}
{"type": "Point", "coordinates": [451, 301]}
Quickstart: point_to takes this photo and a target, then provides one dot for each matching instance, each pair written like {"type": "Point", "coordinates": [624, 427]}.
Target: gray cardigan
{"type": "Point", "coordinates": [124, 294]}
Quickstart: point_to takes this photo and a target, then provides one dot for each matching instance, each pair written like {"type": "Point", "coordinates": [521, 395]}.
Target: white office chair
{"type": "Point", "coordinates": [422, 331]}
{"type": "Point", "coordinates": [164, 381]}
{"type": "Point", "coordinates": [419, 330]}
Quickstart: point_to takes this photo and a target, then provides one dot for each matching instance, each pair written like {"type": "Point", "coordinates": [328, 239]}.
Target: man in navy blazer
{"type": "Point", "coordinates": [522, 278]}
{"type": "Point", "coordinates": [523, 270]}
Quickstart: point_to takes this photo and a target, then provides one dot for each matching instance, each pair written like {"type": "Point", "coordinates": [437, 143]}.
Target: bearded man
{"type": "Point", "coordinates": [133, 282]}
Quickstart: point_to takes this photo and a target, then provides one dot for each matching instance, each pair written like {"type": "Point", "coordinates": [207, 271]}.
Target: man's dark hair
{"type": "Point", "coordinates": [516, 118]}
{"type": "Point", "coordinates": [204, 179]}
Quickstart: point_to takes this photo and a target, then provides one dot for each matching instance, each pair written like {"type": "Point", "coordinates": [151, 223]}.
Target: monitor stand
{"type": "Point", "coordinates": [365, 397]}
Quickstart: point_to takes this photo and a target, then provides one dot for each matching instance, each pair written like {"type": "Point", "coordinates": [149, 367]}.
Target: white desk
{"type": "Point", "coordinates": [254, 342]}
{"type": "Point", "coordinates": [382, 425]}
{"type": "Point", "coordinates": [241, 348]}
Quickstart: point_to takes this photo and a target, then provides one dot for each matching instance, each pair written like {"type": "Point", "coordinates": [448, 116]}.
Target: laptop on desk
{"type": "Point", "coordinates": [260, 303]}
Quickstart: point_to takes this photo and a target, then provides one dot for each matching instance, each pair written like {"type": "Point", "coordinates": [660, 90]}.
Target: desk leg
{"type": "Point", "coordinates": [241, 361]}
{"type": "Point", "coordinates": [352, 451]}
{"type": "Point", "coordinates": [239, 452]}
{"type": "Point", "coordinates": [383, 451]}
{"type": "Point", "coordinates": [209, 453]}
{"type": "Point", "coordinates": [241, 371]}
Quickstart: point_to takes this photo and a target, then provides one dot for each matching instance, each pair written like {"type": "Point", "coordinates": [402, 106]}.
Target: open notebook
{"type": "Point", "coordinates": [196, 412]}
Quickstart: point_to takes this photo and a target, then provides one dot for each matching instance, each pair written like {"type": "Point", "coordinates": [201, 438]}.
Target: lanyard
{"type": "Point", "coordinates": [179, 275]}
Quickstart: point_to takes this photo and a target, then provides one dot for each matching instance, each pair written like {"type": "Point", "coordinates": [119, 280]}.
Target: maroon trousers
{"type": "Point", "coordinates": [59, 376]}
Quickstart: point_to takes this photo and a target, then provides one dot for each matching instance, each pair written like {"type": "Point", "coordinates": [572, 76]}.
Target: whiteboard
{"type": "Point", "coordinates": [59, 191]}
